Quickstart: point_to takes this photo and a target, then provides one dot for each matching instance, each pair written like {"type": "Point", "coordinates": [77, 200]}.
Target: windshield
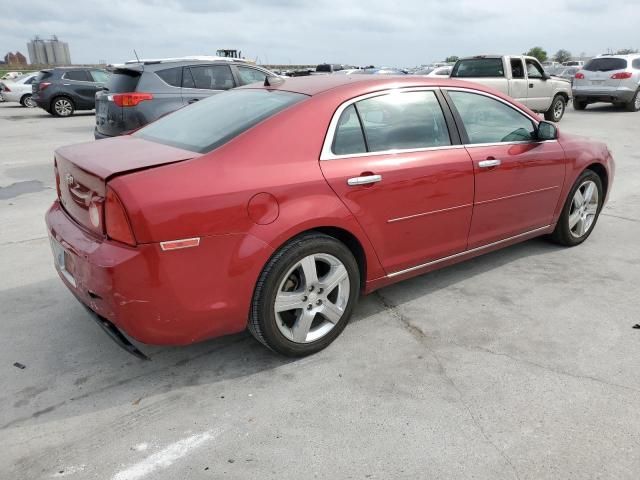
{"type": "Point", "coordinates": [606, 64]}
{"type": "Point", "coordinates": [478, 67]}
{"type": "Point", "coordinates": [209, 123]}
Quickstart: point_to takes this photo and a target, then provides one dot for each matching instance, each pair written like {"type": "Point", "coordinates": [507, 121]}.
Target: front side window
{"type": "Point", "coordinates": [534, 70]}
{"type": "Point", "coordinates": [76, 75]}
{"type": "Point", "coordinates": [250, 75]}
{"type": "Point", "coordinates": [487, 120]}
{"type": "Point", "coordinates": [99, 76]}
{"type": "Point", "coordinates": [211, 122]}
{"type": "Point", "coordinates": [478, 67]}
{"type": "Point", "coordinates": [212, 77]}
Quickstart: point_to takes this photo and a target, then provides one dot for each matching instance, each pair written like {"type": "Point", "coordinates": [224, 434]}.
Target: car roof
{"type": "Point", "coordinates": [358, 84]}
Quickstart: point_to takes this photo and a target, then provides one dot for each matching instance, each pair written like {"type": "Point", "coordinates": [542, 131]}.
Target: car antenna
{"type": "Point", "coordinates": [137, 58]}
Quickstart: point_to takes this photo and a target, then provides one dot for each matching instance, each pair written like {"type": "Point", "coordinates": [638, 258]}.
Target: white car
{"type": "Point", "coordinates": [19, 90]}
{"type": "Point", "coordinates": [440, 71]}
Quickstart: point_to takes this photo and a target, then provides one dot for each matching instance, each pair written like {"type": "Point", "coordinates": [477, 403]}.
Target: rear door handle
{"type": "Point", "coordinates": [365, 180]}
{"type": "Point", "coordinates": [494, 162]}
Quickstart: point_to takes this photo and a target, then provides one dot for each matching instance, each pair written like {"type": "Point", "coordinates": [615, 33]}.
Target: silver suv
{"type": "Point", "coordinates": [609, 78]}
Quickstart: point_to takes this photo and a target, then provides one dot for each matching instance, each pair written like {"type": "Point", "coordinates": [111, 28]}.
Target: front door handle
{"type": "Point", "coordinates": [489, 163]}
{"type": "Point", "coordinates": [531, 85]}
{"type": "Point", "coordinates": [365, 180]}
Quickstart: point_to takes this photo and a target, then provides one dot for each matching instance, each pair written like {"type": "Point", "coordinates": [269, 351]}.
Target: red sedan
{"type": "Point", "coordinates": [274, 207]}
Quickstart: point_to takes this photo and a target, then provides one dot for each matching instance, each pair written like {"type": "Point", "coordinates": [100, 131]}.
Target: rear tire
{"type": "Point", "coordinates": [581, 211]}
{"type": "Point", "coordinates": [556, 110]}
{"type": "Point", "coordinates": [62, 107]}
{"type": "Point", "coordinates": [579, 104]}
{"type": "Point", "coordinates": [634, 104]}
{"type": "Point", "coordinates": [27, 102]}
{"type": "Point", "coordinates": [305, 295]}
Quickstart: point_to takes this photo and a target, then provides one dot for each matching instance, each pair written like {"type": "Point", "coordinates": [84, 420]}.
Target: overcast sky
{"type": "Point", "coordinates": [380, 32]}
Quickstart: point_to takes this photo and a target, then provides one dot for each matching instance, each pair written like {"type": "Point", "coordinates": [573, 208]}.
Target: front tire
{"type": "Point", "coordinates": [556, 110]}
{"type": "Point", "coordinates": [634, 104]}
{"type": "Point", "coordinates": [62, 107]}
{"type": "Point", "coordinates": [581, 210]}
{"type": "Point", "coordinates": [305, 295]}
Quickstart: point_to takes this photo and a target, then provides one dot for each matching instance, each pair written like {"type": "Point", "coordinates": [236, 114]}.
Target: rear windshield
{"type": "Point", "coordinates": [478, 67]}
{"type": "Point", "coordinates": [209, 123]}
{"type": "Point", "coordinates": [123, 80]}
{"type": "Point", "coordinates": [605, 64]}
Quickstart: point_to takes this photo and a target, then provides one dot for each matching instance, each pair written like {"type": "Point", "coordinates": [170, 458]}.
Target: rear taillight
{"type": "Point", "coordinates": [95, 213]}
{"type": "Point", "coordinates": [621, 75]}
{"type": "Point", "coordinates": [6, 88]}
{"type": "Point", "coordinates": [55, 169]}
{"type": "Point", "coordinates": [130, 99]}
{"type": "Point", "coordinates": [579, 76]}
{"type": "Point", "coordinates": [43, 85]}
{"type": "Point", "coordinates": [116, 220]}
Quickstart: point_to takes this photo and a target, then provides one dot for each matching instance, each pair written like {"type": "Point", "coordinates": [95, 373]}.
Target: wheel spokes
{"type": "Point", "coordinates": [335, 276]}
{"type": "Point", "coordinates": [588, 192]}
{"type": "Point", "coordinates": [331, 312]}
{"type": "Point", "coordinates": [578, 199]}
{"type": "Point", "coordinates": [301, 327]}
{"type": "Point", "coordinates": [310, 271]}
{"type": "Point", "coordinates": [574, 218]}
{"type": "Point", "coordinates": [286, 301]}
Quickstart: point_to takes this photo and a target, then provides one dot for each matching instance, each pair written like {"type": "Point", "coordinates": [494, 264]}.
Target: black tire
{"type": "Point", "coordinates": [62, 106]}
{"type": "Point", "coordinates": [262, 318]}
{"type": "Point", "coordinates": [634, 104]}
{"type": "Point", "coordinates": [579, 104]}
{"type": "Point", "coordinates": [556, 110]}
{"type": "Point", "coordinates": [27, 102]}
{"type": "Point", "coordinates": [562, 233]}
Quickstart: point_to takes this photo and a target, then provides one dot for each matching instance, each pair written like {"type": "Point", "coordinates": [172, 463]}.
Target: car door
{"type": "Point", "coordinates": [81, 86]}
{"type": "Point", "coordinates": [540, 91]}
{"type": "Point", "coordinates": [518, 179]}
{"type": "Point", "coordinates": [392, 160]}
{"type": "Point", "coordinates": [518, 83]}
{"type": "Point", "coordinates": [202, 81]}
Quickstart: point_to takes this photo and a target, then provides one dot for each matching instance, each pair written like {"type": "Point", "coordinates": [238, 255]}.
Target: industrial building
{"type": "Point", "coordinates": [48, 51]}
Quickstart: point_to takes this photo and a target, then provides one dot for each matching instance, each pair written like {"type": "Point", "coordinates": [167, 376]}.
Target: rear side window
{"type": "Point", "coordinates": [490, 121]}
{"type": "Point", "coordinates": [212, 77]}
{"type": "Point", "coordinates": [349, 138]}
{"type": "Point", "coordinates": [171, 76]}
{"type": "Point", "coordinates": [325, 67]}
{"type": "Point", "coordinates": [605, 64]}
{"type": "Point", "coordinates": [478, 67]}
{"type": "Point", "coordinates": [123, 80]}
{"type": "Point", "coordinates": [217, 119]}
{"type": "Point", "coordinates": [399, 121]}
{"type": "Point", "coordinates": [517, 71]}
{"type": "Point", "coordinates": [77, 75]}
{"type": "Point", "coordinates": [636, 63]}
{"type": "Point", "coordinates": [42, 76]}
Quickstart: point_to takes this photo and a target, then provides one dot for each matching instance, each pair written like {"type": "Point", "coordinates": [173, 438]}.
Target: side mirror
{"type": "Point", "coordinates": [545, 76]}
{"type": "Point", "coordinates": [547, 131]}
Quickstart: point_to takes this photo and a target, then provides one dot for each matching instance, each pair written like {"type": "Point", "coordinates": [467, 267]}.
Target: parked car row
{"type": "Point", "coordinates": [18, 89]}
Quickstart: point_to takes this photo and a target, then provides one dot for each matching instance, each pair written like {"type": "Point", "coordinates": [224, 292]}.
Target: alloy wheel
{"type": "Point", "coordinates": [63, 107]}
{"type": "Point", "coordinates": [312, 298]}
{"type": "Point", "coordinates": [584, 208]}
{"type": "Point", "coordinates": [29, 102]}
{"type": "Point", "coordinates": [558, 110]}
{"type": "Point", "coordinates": [637, 101]}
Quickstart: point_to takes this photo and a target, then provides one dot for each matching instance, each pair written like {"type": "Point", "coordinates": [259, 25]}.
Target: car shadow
{"type": "Point", "coordinates": [92, 373]}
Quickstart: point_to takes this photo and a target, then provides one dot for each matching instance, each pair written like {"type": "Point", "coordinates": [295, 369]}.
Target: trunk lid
{"type": "Point", "coordinates": [83, 170]}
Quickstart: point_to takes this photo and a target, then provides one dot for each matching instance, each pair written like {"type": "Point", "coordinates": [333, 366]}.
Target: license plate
{"type": "Point", "coordinates": [62, 260]}
{"type": "Point", "coordinates": [597, 82]}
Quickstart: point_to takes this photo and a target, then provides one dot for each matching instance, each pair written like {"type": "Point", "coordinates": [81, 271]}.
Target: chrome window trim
{"type": "Point", "coordinates": [327, 153]}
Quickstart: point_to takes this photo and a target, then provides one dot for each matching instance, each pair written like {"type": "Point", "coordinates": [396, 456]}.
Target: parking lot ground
{"type": "Point", "coordinates": [521, 364]}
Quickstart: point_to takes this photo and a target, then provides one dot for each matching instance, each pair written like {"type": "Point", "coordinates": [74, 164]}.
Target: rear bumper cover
{"type": "Point", "coordinates": [589, 93]}
{"type": "Point", "coordinates": [157, 297]}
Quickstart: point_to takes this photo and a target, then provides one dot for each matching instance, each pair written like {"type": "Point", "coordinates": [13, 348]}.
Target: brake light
{"type": "Point", "coordinates": [579, 76]}
{"type": "Point", "coordinates": [130, 99]}
{"type": "Point", "coordinates": [621, 75]}
{"type": "Point", "coordinates": [6, 88]}
{"type": "Point", "coordinates": [43, 85]}
{"type": "Point", "coordinates": [116, 220]}
{"type": "Point", "coordinates": [55, 170]}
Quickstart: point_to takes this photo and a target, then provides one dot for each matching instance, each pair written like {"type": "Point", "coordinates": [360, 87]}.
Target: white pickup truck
{"type": "Point", "coordinates": [520, 77]}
